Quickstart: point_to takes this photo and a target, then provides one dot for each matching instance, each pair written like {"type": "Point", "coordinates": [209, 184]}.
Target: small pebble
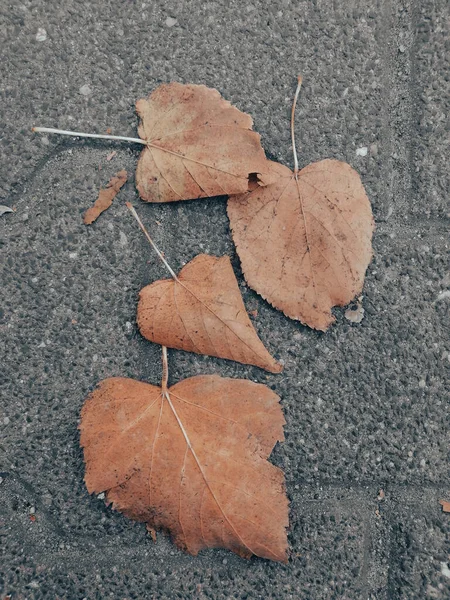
{"type": "Point", "coordinates": [73, 254]}
{"type": "Point", "coordinates": [101, 496]}
{"type": "Point", "coordinates": [355, 315]}
{"type": "Point", "coordinates": [373, 149]}
{"type": "Point", "coordinates": [123, 239]}
{"type": "Point", "coordinates": [5, 420]}
{"type": "Point", "coordinates": [423, 462]}
{"type": "Point", "coordinates": [402, 48]}
{"type": "Point", "coordinates": [422, 383]}
{"type": "Point", "coordinates": [445, 570]}
{"type": "Point", "coordinates": [85, 90]}
{"type": "Point", "coordinates": [362, 151]}
{"type": "Point", "coordinates": [41, 35]}
{"type": "Point", "coordinates": [170, 21]}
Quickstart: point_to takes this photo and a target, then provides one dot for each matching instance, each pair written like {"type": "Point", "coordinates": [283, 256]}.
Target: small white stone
{"type": "Point", "coordinates": [123, 239]}
{"type": "Point", "coordinates": [402, 48]}
{"type": "Point", "coordinates": [445, 570]}
{"type": "Point", "coordinates": [32, 510]}
{"type": "Point", "coordinates": [362, 151]}
{"type": "Point", "coordinates": [5, 420]}
{"type": "Point", "coordinates": [355, 315]}
{"type": "Point", "coordinates": [73, 255]}
{"type": "Point", "coordinates": [423, 462]}
{"type": "Point", "coordinates": [41, 35]}
{"type": "Point", "coordinates": [422, 383]}
{"type": "Point", "coordinates": [443, 295]}
{"type": "Point", "coordinates": [170, 21]}
{"type": "Point", "coordinates": [101, 496]}
{"type": "Point", "coordinates": [85, 90]}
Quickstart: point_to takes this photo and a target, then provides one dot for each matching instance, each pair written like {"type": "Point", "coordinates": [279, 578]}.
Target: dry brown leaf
{"type": "Point", "coordinates": [445, 505]}
{"type": "Point", "coordinates": [199, 145]}
{"type": "Point", "coordinates": [202, 311]}
{"type": "Point", "coordinates": [105, 197]}
{"type": "Point", "coordinates": [304, 240]}
{"type": "Point", "coordinates": [191, 460]}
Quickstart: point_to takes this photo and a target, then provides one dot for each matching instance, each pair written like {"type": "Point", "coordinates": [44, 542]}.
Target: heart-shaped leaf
{"type": "Point", "coordinates": [201, 310]}
{"type": "Point", "coordinates": [198, 145]}
{"type": "Point", "coordinates": [191, 460]}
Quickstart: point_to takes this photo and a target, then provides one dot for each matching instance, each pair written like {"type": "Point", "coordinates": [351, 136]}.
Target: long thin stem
{"type": "Point", "coordinates": [294, 104]}
{"type": "Point", "coordinates": [165, 369]}
{"type": "Point", "coordinates": [147, 235]}
{"type": "Point", "coordinates": [118, 138]}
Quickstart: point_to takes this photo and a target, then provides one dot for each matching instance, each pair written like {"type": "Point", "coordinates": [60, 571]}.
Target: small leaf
{"type": "Point", "coordinates": [202, 311]}
{"type": "Point", "coordinates": [105, 197]}
{"type": "Point", "coordinates": [198, 145]}
{"type": "Point", "coordinates": [191, 460]}
{"type": "Point", "coordinates": [5, 209]}
{"type": "Point", "coordinates": [445, 505]}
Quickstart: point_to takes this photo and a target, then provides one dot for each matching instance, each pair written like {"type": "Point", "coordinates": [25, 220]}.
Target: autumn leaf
{"type": "Point", "coordinates": [304, 240]}
{"type": "Point", "coordinates": [105, 197]}
{"type": "Point", "coordinates": [201, 310]}
{"type": "Point", "coordinates": [445, 505]}
{"type": "Point", "coordinates": [191, 460]}
{"type": "Point", "coordinates": [198, 145]}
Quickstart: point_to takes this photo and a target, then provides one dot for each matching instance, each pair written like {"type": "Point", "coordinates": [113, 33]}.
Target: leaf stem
{"type": "Point", "coordinates": [165, 369]}
{"type": "Point", "coordinates": [89, 135]}
{"type": "Point", "coordinates": [147, 235]}
{"type": "Point", "coordinates": [294, 104]}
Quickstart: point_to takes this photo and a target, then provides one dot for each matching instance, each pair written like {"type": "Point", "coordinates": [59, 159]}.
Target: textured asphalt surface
{"type": "Point", "coordinates": [366, 404]}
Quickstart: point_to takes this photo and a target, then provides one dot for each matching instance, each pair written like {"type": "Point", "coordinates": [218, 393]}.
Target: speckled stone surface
{"type": "Point", "coordinates": [366, 405]}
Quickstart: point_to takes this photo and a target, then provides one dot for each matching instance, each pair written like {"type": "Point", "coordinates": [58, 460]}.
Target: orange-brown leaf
{"type": "Point", "coordinates": [202, 311]}
{"type": "Point", "coordinates": [199, 145]}
{"type": "Point", "coordinates": [191, 460]}
{"type": "Point", "coordinates": [105, 197]}
{"type": "Point", "coordinates": [445, 505]}
{"type": "Point", "coordinates": [305, 243]}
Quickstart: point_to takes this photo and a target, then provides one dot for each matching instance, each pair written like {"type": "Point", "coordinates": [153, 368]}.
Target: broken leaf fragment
{"type": "Point", "coordinates": [198, 145]}
{"type": "Point", "coordinates": [191, 460]}
{"type": "Point", "coordinates": [445, 505]}
{"type": "Point", "coordinates": [105, 197]}
{"type": "Point", "coordinates": [201, 310]}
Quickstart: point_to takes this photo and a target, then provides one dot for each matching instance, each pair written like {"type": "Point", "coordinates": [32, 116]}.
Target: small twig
{"type": "Point", "coordinates": [154, 246]}
{"type": "Point", "coordinates": [118, 138]}
{"type": "Point", "coordinates": [294, 104]}
{"type": "Point", "coordinates": [165, 369]}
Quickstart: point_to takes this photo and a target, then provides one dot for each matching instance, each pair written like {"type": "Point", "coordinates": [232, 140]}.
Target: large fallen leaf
{"type": "Point", "coordinates": [202, 311]}
{"type": "Point", "coordinates": [191, 460]}
{"type": "Point", "coordinates": [304, 240]}
{"type": "Point", "coordinates": [198, 145]}
{"type": "Point", "coordinates": [105, 197]}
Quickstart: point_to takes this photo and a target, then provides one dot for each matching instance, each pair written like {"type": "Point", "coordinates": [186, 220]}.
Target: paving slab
{"type": "Point", "coordinates": [366, 404]}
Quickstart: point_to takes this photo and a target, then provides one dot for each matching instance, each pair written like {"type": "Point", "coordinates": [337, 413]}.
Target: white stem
{"type": "Point", "coordinates": [294, 104]}
{"type": "Point", "coordinates": [165, 369]}
{"type": "Point", "coordinates": [154, 246]}
{"type": "Point", "coordinates": [119, 138]}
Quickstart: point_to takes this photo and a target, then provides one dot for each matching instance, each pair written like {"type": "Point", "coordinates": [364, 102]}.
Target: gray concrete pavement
{"type": "Point", "coordinates": [366, 405]}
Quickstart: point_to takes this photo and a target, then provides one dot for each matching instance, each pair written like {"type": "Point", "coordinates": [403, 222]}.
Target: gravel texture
{"type": "Point", "coordinates": [366, 404]}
